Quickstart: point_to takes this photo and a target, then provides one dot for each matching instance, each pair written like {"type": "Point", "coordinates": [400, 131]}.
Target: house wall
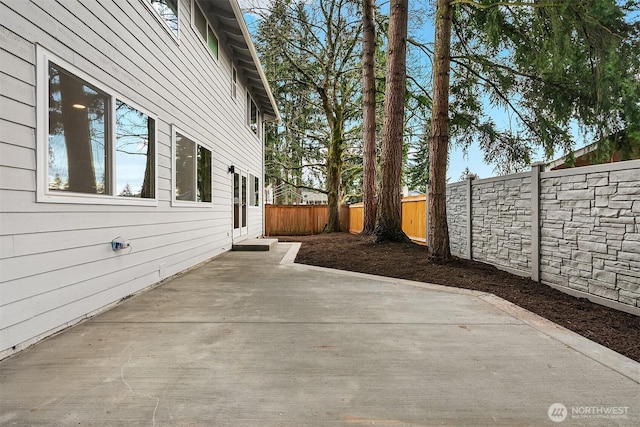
{"type": "Point", "coordinates": [56, 261]}
{"type": "Point", "coordinates": [575, 229]}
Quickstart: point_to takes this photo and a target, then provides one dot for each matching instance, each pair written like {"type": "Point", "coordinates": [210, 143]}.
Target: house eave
{"type": "Point", "coordinates": [230, 22]}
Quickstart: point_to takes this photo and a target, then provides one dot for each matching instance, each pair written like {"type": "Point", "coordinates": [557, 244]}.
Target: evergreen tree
{"type": "Point", "coordinates": [389, 223]}
{"type": "Point", "coordinates": [551, 63]}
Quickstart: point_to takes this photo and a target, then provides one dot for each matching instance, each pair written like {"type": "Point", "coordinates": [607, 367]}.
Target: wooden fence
{"type": "Point", "coordinates": [294, 220]}
{"type": "Point", "coordinates": [414, 217]}
{"type": "Point", "coordinates": [356, 218]}
{"type": "Point", "coordinates": [300, 220]}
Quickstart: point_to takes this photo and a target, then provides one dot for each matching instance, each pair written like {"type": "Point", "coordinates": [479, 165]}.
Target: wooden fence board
{"type": "Point", "coordinates": [356, 218]}
{"type": "Point", "coordinates": [295, 220]}
{"type": "Point", "coordinates": [414, 217]}
{"type": "Point", "coordinates": [301, 220]}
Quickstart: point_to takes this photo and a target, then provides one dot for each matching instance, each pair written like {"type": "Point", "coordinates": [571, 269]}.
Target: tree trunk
{"type": "Point", "coordinates": [389, 223]}
{"type": "Point", "coordinates": [438, 233]}
{"type": "Point", "coordinates": [148, 185]}
{"type": "Point", "coordinates": [77, 137]}
{"type": "Point", "coordinates": [334, 173]}
{"type": "Point", "coordinates": [369, 117]}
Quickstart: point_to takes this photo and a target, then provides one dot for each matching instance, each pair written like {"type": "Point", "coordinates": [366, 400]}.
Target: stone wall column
{"type": "Point", "coordinates": [469, 219]}
{"type": "Point", "coordinates": [536, 168]}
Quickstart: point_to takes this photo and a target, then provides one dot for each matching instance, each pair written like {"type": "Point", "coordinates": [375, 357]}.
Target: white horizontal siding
{"type": "Point", "coordinates": [56, 262]}
{"type": "Point", "coordinates": [17, 134]}
{"type": "Point", "coordinates": [17, 157]}
{"type": "Point", "coordinates": [17, 112]}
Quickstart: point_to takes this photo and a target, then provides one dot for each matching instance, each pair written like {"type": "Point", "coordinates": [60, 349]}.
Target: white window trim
{"type": "Point", "coordinates": [205, 43]}
{"type": "Point", "coordinates": [251, 205]}
{"type": "Point", "coordinates": [249, 101]}
{"type": "Point", "coordinates": [43, 194]}
{"type": "Point", "coordinates": [187, 203]}
{"type": "Point", "coordinates": [234, 84]}
{"type": "Point", "coordinates": [154, 12]}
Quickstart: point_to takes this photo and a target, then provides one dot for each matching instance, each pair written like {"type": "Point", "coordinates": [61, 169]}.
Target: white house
{"type": "Point", "coordinates": [131, 148]}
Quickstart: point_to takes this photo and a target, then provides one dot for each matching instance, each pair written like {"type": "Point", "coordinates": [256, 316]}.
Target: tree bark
{"type": "Point", "coordinates": [77, 137]}
{"type": "Point", "coordinates": [148, 184]}
{"type": "Point", "coordinates": [389, 223]}
{"type": "Point", "coordinates": [369, 117]}
{"type": "Point", "coordinates": [438, 233]}
{"type": "Point", "coordinates": [334, 172]}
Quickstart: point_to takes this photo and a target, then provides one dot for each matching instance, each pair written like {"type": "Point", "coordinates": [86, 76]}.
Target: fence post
{"type": "Point", "coordinates": [469, 219]}
{"type": "Point", "coordinates": [536, 168]}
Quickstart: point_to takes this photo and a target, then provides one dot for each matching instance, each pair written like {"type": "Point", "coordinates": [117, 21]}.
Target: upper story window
{"type": "Point", "coordinates": [234, 82]}
{"type": "Point", "coordinates": [192, 170]}
{"type": "Point", "coordinates": [204, 29]}
{"type": "Point", "coordinates": [252, 114]}
{"type": "Point", "coordinates": [168, 11]}
{"type": "Point", "coordinates": [95, 147]}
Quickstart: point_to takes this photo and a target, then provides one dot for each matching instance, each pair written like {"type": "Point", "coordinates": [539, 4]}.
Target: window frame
{"type": "Point", "coordinates": [254, 200]}
{"type": "Point", "coordinates": [165, 25]}
{"type": "Point", "coordinates": [43, 193]}
{"type": "Point", "coordinates": [210, 29]}
{"type": "Point", "coordinates": [174, 169]}
{"type": "Point", "coordinates": [251, 103]}
{"type": "Point", "coordinates": [234, 82]}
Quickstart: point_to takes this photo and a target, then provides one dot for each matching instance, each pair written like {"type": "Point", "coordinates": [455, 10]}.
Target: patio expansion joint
{"type": "Point", "coordinates": [107, 322]}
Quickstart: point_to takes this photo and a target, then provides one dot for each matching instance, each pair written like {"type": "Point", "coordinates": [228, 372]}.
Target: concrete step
{"type": "Point", "coordinates": [254, 245]}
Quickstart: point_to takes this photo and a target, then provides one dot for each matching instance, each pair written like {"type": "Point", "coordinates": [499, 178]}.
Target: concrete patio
{"type": "Point", "coordinates": [251, 339]}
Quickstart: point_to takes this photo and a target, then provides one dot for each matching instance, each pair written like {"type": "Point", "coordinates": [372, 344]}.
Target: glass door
{"type": "Point", "coordinates": [239, 204]}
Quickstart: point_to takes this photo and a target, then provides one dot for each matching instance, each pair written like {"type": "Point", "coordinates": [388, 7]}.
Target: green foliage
{"type": "Point", "coordinates": [467, 174]}
{"type": "Point", "coordinates": [312, 60]}
{"type": "Point", "coordinates": [552, 64]}
{"type": "Point", "coordinates": [417, 170]}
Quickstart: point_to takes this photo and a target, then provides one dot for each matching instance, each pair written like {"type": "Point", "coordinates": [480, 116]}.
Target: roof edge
{"type": "Point", "coordinates": [235, 6]}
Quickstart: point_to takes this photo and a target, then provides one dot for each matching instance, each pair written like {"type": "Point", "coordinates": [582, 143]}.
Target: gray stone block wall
{"type": "Point", "coordinates": [590, 232]}
{"type": "Point", "coordinates": [457, 218]}
{"type": "Point", "coordinates": [501, 222]}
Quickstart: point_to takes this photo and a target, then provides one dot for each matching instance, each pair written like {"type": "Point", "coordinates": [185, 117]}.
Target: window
{"type": "Point", "coordinates": [204, 29]}
{"type": "Point", "coordinates": [254, 181]}
{"type": "Point", "coordinates": [244, 200]}
{"type": "Point", "coordinates": [134, 155]}
{"type": "Point", "coordinates": [200, 22]}
{"type": "Point", "coordinates": [192, 170]}
{"type": "Point", "coordinates": [78, 135]}
{"type": "Point", "coordinates": [234, 82]}
{"type": "Point", "coordinates": [252, 114]}
{"type": "Point", "coordinates": [168, 11]}
{"type": "Point", "coordinates": [96, 147]}
{"type": "Point", "coordinates": [239, 200]}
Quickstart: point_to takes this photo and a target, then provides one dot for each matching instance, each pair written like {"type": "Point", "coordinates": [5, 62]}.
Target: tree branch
{"type": "Point", "coordinates": [499, 93]}
{"type": "Point", "coordinates": [298, 186]}
{"type": "Point", "coordinates": [501, 3]}
{"type": "Point", "coordinates": [290, 168]}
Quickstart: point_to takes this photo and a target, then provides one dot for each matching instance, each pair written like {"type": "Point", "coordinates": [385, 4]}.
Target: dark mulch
{"type": "Point", "coordinates": [612, 328]}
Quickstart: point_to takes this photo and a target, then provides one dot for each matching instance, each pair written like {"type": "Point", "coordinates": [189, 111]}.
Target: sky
{"type": "Point", "coordinates": [473, 158]}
